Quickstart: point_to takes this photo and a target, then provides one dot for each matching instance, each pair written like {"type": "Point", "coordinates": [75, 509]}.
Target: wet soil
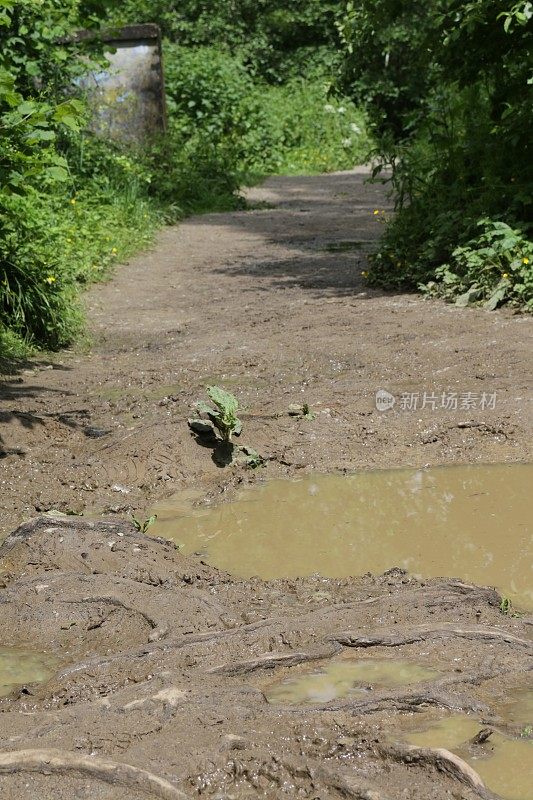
{"type": "Point", "coordinates": [271, 304]}
{"type": "Point", "coordinates": [167, 666]}
{"type": "Point", "coordinates": [165, 661]}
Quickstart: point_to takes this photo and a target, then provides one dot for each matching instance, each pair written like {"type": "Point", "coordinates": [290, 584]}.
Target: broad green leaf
{"type": "Point", "coordinates": [496, 297]}
{"type": "Point", "coordinates": [226, 402]}
{"type": "Point", "coordinates": [40, 135]}
{"type": "Point", "coordinates": [57, 173]}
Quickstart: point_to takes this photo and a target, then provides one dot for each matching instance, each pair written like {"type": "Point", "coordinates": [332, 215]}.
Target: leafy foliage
{"type": "Point", "coordinates": [256, 127]}
{"type": "Point", "coordinates": [67, 205]}
{"type": "Point", "coordinates": [248, 94]}
{"type": "Point", "coordinates": [274, 39]}
{"type": "Point", "coordinates": [447, 87]}
{"type": "Point", "coordinates": [492, 268]}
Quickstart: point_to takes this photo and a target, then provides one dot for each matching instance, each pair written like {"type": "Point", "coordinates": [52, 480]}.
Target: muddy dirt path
{"type": "Point", "coordinates": [164, 666]}
{"type": "Point", "coordinates": [269, 303]}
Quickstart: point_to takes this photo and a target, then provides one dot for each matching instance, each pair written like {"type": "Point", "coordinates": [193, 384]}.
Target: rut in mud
{"type": "Point", "coordinates": [172, 676]}
{"type": "Point", "coordinates": [167, 665]}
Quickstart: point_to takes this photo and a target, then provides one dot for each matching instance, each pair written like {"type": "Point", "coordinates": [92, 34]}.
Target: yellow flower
{"type": "Point", "coordinates": [114, 250]}
{"type": "Point", "coordinates": [73, 200]}
{"type": "Point", "coordinates": [376, 211]}
{"type": "Point", "coordinates": [505, 275]}
{"type": "Point", "coordinates": [525, 260]}
{"type": "Point", "coordinates": [50, 279]}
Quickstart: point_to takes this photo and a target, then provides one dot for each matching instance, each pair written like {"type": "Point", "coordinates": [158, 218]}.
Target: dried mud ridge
{"type": "Point", "coordinates": [164, 661]}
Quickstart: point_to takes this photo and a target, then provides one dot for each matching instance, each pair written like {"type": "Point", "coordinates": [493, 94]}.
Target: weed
{"type": "Point", "coordinates": [493, 268]}
{"type": "Point", "coordinates": [143, 525]}
{"type": "Point", "coordinates": [506, 606]}
{"type": "Point", "coordinates": [250, 457]}
{"type": "Point", "coordinates": [301, 410]}
{"type": "Point", "coordinates": [223, 417]}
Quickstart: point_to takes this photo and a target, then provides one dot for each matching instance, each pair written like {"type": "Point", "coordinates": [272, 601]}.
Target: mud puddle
{"type": "Point", "coordinates": [519, 709]}
{"type": "Point", "coordinates": [18, 667]}
{"type": "Point", "coordinates": [345, 678]}
{"type": "Point", "coordinates": [471, 522]}
{"type": "Point", "coordinates": [505, 764]}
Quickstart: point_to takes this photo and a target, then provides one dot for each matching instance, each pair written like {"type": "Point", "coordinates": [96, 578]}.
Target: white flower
{"type": "Point", "coordinates": [330, 109]}
{"type": "Point", "coordinates": [341, 110]}
{"type": "Point", "coordinates": [346, 142]}
{"type": "Point", "coordinates": [355, 128]}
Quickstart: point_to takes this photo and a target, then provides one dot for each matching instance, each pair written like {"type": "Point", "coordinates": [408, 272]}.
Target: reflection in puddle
{"type": "Point", "coordinates": [345, 678]}
{"type": "Point", "coordinates": [18, 667]}
{"type": "Point", "coordinates": [471, 522]}
{"type": "Point", "coordinates": [504, 764]}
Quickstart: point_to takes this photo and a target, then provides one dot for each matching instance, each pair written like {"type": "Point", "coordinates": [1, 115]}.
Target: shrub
{"type": "Point", "coordinates": [492, 268]}
{"type": "Point", "coordinates": [447, 89]}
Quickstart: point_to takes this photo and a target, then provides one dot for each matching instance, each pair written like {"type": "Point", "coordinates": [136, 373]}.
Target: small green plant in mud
{"type": "Point", "coordinates": [250, 457]}
{"type": "Point", "coordinates": [506, 605]}
{"type": "Point", "coordinates": [143, 525]}
{"type": "Point", "coordinates": [223, 417]}
{"type": "Point", "coordinates": [301, 410]}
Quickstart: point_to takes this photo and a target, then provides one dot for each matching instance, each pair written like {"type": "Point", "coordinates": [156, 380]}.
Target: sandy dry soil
{"type": "Point", "coordinates": [164, 661]}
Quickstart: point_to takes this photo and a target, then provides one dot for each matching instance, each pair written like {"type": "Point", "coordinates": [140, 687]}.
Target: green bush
{"type": "Point", "coordinates": [260, 128]}
{"type": "Point", "coordinates": [315, 132]}
{"type": "Point", "coordinates": [211, 96]}
{"type": "Point", "coordinates": [72, 205]}
{"type": "Point", "coordinates": [447, 89]}
{"type": "Point", "coordinates": [493, 268]}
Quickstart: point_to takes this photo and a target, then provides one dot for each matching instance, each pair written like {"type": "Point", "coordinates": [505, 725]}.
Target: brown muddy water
{"type": "Point", "coordinates": [346, 678]}
{"type": "Point", "coordinates": [471, 522]}
{"type": "Point", "coordinates": [18, 667]}
{"type": "Point", "coordinates": [504, 764]}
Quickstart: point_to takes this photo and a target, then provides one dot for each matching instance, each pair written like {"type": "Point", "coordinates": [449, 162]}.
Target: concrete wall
{"type": "Point", "coordinates": [128, 98]}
